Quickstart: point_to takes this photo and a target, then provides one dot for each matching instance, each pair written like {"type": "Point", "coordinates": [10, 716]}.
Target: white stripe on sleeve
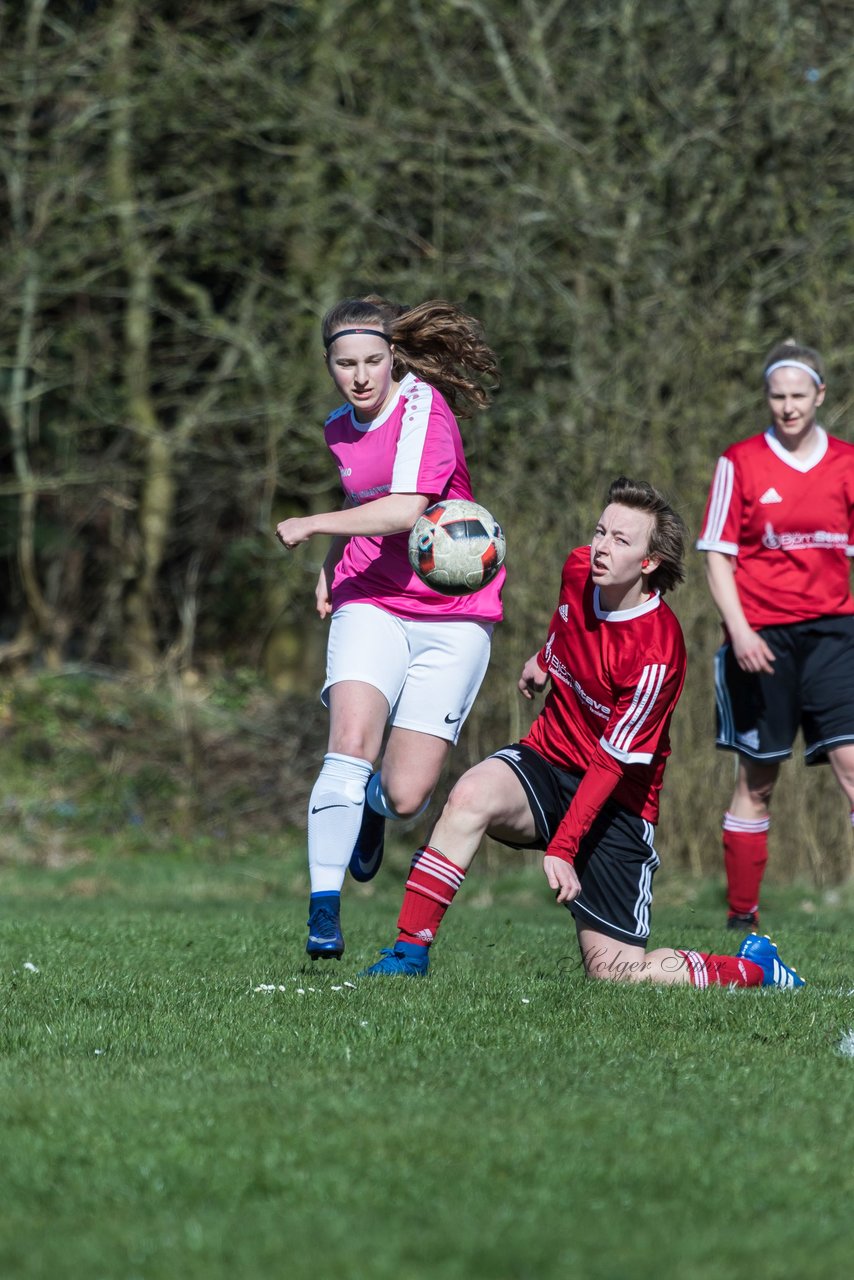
{"type": "Point", "coordinates": [413, 438]}
{"type": "Point", "coordinates": [649, 687]}
{"type": "Point", "coordinates": [721, 496]}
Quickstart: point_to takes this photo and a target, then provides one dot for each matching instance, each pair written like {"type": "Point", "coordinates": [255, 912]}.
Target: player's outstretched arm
{"type": "Point", "coordinates": [395, 513]}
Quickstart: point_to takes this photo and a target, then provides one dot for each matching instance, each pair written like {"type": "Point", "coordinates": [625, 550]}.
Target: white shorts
{"type": "Point", "coordinates": [428, 672]}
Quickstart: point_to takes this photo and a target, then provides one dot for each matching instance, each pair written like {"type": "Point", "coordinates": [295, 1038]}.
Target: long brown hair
{"type": "Point", "coordinates": [435, 340]}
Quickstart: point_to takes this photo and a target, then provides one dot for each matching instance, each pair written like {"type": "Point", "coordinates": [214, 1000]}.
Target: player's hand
{"type": "Point", "coordinates": [292, 532]}
{"type": "Point", "coordinates": [322, 595]}
{"type": "Point", "coordinates": [752, 653]}
{"type": "Point", "coordinates": [533, 679]}
{"type": "Point", "coordinates": [562, 878]}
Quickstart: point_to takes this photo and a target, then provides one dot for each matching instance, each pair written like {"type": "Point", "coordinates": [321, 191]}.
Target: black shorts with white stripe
{"type": "Point", "coordinates": [616, 860]}
{"type": "Point", "coordinates": [812, 689]}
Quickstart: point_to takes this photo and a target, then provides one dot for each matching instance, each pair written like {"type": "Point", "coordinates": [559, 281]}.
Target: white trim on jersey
{"type": "Point", "coordinates": [628, 727]}
{"type": "Point", "coordinates": [626, 757]}
{"type": "Point", "coordinates": [413, 435]}
{"type": "Point", "coordinates": [726, 548]}
{"type": "Point", "coordinates": [347, 410]}
{"type": "Point", "coordinates": [798, 464]}
{"type": "Point", "coordinates": [719, 500]}
{"type": "Point", "coordinates": [624, 615]}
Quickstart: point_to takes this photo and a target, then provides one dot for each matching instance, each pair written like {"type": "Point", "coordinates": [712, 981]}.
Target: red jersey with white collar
{"type": "Point", "coordinates": [615, 680]}
{"type": "Point", "coordinates": [789, 523]}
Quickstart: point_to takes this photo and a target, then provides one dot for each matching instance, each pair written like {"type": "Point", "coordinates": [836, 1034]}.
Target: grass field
{"type": "Point", "coordinates": [183, 1095]}
{"type": "Point", "coordinates": [165, 1116]}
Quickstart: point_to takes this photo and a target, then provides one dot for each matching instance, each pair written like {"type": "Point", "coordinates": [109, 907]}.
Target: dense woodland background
{"type": "Point", "coordinates": [637, 197]}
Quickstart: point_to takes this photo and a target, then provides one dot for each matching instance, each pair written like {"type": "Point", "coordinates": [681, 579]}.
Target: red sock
{"type": "Point", "coordinates": [745, 856]}
{"type": "Point", "coordinates": [433, 881]}
{"type": "Point", "coordinates": [721, 971]}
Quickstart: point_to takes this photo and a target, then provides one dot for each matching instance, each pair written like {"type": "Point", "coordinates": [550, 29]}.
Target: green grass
{"type": "Point", "coordinates": [163, 1118]}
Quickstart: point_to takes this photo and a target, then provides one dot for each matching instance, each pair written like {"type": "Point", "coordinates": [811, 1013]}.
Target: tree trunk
{"type": "Point", "coordinates": [41, 623]}
{"type": "Point", "coordinates": [157, 496]}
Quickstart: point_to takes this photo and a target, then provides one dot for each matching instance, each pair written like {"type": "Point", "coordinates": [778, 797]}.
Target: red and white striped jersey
{"type": "Point", "coordinates": [615, 680]}
{"type": "Point", "coordinates": [789, 523]}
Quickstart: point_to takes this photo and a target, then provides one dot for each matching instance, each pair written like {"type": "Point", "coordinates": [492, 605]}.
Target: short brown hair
{"type": "Point", "coordinates": [669, 534]}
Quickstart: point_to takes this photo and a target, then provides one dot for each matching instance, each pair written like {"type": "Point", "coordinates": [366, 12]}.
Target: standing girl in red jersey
{"type": "Point", "coordinates": [399, 653]}
{"type": "Point", "coordinates": [779, 535]}
{"type": "Point", "coordinates": [584, 784]}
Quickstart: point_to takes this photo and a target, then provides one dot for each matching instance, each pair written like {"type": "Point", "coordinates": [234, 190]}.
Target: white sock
{"type": "Point", "coordinates": [334, 818]}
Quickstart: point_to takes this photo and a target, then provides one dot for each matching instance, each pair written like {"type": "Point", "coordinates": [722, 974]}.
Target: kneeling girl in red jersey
{"type": "Point", "coordinates": [583, 785]}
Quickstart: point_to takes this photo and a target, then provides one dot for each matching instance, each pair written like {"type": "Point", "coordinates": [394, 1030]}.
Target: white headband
{"type": "Point", "coordinates": [795, 364]}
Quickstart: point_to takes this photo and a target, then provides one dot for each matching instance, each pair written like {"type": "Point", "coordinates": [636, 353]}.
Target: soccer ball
{"type": "Point", "coordinates": [456, 547]}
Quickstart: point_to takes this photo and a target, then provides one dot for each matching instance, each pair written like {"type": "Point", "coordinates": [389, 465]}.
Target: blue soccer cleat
{"type": "Point", "coordinates": [370, 845]}
{"type": "Point", "coordinates": [763, 952]}
{"type": "Point", "coordinates": [407, 959]}
{"type": "Point", "coordinates": [325, 939]}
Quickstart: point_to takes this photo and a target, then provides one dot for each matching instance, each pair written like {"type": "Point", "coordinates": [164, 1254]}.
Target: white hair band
{"type": "Point", "coordinates": [795, 364]}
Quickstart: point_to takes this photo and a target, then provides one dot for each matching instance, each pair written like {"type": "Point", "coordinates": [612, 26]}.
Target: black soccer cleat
{"type": "Point", "coordinates": [744, 923]}
{"type": "Point", "coordinates": [367, 854]}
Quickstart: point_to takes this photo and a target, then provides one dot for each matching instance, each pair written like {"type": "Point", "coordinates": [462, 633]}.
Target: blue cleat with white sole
{"type": "Point", "coordinates": [762, 951]}
{"type": "Point", "coordinates": [368, 852]}
{"type": "Point", "coordinates": [325, 939]}
{"type": "Point", "coordinates": [404, 959]}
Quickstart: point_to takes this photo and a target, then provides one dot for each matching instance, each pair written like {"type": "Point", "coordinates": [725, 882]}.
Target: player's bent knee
{"type": "Point", "coordinates": [468, 800]}
{"type": "Point", "coordinates": [408, 804]}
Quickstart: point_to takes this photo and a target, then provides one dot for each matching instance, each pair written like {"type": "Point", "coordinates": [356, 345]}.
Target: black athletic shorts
{"type": "Point", "coordinates": [616, 860]}
{"type": "Point", "coordinates": [812, 689]}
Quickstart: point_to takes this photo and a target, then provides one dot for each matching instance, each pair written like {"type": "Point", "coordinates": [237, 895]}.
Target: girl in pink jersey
{"type": "Point", "coordinates": [583, 785]}
{"type": "Point", "coordinates": [399, 654]}
{"type": "Point", "coordinates": [779, 536]}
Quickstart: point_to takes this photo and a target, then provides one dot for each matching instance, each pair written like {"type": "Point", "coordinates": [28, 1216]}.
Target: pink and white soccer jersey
{"type": "Point", "coordinates": [615, 680]}
{"type": "Point", "coordinates": [414, 446]}
{"type": "Point", "coordinates": [789, 523]}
